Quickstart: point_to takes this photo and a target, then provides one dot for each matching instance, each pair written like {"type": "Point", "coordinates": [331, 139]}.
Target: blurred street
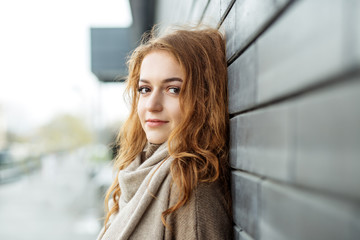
{"type": "Point", "coordinates": [57, 130]}
{"type": "Point", "coordinates": [59, 201]}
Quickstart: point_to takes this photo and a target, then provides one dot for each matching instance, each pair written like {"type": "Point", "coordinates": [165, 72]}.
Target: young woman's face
{"type": "Point", "coordinates": [161, 78]}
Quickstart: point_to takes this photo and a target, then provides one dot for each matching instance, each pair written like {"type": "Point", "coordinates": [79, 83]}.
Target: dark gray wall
{"type": "Point", "coordinates": [294, 90]}
{"type": "Point", "coordinates": [110, 48]}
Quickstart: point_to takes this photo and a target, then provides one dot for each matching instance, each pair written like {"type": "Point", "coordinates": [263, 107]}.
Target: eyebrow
{"type": "Point", "coordinates": [175, 79]}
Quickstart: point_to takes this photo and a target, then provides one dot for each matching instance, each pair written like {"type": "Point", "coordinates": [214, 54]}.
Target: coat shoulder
{"type": "Point", "coordinates": [206, 215]}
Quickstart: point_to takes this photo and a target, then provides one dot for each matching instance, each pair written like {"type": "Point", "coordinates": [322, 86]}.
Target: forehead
{"type": "Point", "coordinates": [160, 65]}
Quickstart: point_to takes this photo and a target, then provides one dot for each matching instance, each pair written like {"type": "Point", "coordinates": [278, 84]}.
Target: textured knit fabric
{"type": "Point", "coordinates": [205, 215]}
{"type": "Point", "coordinates": [139, 215]}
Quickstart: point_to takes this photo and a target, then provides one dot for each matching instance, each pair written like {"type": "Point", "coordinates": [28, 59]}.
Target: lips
{"type": "Point", "coordinates": [155, 122]}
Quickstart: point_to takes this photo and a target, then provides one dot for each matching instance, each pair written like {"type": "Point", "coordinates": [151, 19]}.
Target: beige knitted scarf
{"type": "Point", "coordinates": [145, 188]}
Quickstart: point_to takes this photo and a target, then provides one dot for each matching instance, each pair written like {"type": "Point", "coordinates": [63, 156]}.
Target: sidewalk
{"type": "Point", "coordinates": [58, 202]}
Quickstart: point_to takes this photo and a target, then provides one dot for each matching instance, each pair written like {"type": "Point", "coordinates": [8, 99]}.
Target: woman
{"type": "Point", "coordinates": [172, 166]}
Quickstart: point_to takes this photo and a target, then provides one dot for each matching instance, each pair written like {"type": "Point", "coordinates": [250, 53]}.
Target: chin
{"type": "Point", "coordinates": [156, 140]}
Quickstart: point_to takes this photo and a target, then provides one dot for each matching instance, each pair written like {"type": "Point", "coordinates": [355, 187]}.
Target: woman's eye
{"type": "Point", "coordinates": [143, 90]}
{"type": "Point", "coordinates": [174, 90]}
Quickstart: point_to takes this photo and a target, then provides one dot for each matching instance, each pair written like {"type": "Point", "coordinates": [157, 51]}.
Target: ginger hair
{"type": "Point", "coordinates": [199, 144]}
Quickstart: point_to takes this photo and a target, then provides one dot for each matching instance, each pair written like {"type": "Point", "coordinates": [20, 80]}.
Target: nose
{"type": "Point", "coordinates": [154, 103]}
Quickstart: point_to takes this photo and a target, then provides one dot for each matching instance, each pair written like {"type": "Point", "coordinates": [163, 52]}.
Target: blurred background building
{"type": "Point", "coordinates": [294, 87]}
{"type": "Point", "coordinates": [2, 129]}
{"type": "Point", "coordinates": [111, 46]}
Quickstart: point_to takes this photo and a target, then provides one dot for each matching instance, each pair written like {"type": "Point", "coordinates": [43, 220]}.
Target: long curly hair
{"type": "Point", "coordinates": [199, 144]}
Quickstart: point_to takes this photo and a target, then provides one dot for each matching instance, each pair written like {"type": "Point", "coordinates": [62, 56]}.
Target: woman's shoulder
{"type": "Point", "coordinates": [206, 215]}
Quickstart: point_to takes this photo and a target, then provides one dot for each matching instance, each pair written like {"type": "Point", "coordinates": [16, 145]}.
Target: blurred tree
{"type": "Point", "coordinates": [64, 133]}
{"type": "Point", "coordinates": [18, 138]}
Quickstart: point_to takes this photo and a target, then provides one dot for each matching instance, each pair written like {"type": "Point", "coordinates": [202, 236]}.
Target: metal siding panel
{"type": "Point", "coordinates": [246, 19]}
{"type": "Point", "coordinates": [245, 194]}
{"type": "Point", "coordinates": [305, 46]}
{"type": "Point", "coordinates": [224, 4]}
{"type": "Point", "coordinates": [357, 30]}
{"type": "Point", "coordinates": [241, 235]}
{"type": "Point", "coordinates": [171, 12]}
{"type": "Point", "coordinates": [328, 139]}
{"type": "Point", "coordinates": [242, 81]}
{"type": "Point", "coordinates": [262, 143]}
{"type": "Point", "coordinates": [289, 213]}
{"type": "Point", "coordinates": [198, 10]}
{"type": "Point", "coordinates": [212, 14]}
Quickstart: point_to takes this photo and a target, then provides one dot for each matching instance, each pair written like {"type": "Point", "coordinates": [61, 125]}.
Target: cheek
{"type": "Point", "coordinates": [177, 114]}
{"type": "Point", "coordinates": [140, 110]}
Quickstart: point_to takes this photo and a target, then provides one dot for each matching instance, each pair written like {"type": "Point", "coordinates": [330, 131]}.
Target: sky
{"type": "Point", "coordinates": [45, 61]}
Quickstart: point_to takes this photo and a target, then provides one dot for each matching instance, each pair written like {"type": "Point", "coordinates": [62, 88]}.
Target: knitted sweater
{"type": "Point", "coordinates": [204, 216]}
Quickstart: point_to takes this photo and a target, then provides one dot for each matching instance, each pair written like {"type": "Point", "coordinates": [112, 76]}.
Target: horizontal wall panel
{"type": "Point", "coordinates": [260, 142]}
{"type": "Point", "coordinates": [212, 14]}
{"type": "Point", "coordinates": [170, 12]}
{"type": "Point", "coordinates": [288, 213]}
{"type": "Point", "coordinates": [352, 31]}
{"type": "Point", "coordinates": [306, 45]}
{"type": "Point", "coordinates": [245, 194]}
{"type": "Point", "coordinates": [307, 141]}
{"type": "Point", "coordinates": [198, 10]}
{"type": "Point", "coordinates": [224, 4]}
{"type": "Point", "coordinates": [356, 28]}
{"type": "Point", "coordinates": [242, 81]}
{"type": "Point", "coordinates": [328, 139]}
{"type": "Point", "coordinates": [245, 21]}
{"type": "Point", "coordinates": [285, 60]}
{"type": "Point", "coordinates": [241, 235]}
{"type": "Point", "coordinates": [237, 233]}
{"type": "Point", "coordinates": [233, 143]}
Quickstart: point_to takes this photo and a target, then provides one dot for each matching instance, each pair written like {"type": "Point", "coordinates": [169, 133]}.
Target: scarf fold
{"type": "Point", "coordinates": [145, 188]}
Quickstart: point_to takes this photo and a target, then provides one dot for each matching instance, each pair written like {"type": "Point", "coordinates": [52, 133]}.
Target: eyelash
{"type": "Point", "coordinates": [140, 89]}
{"type": "Point", "coordinates": [177, 90]}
